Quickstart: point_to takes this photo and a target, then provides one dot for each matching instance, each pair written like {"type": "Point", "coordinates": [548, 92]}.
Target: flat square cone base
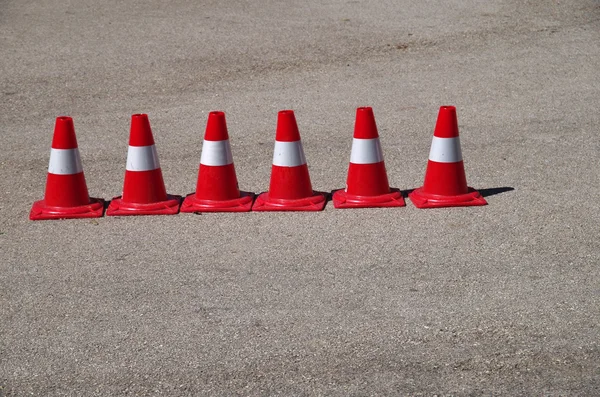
{"type": "Point", "coordinates": [41, 211]}
{"type": "Point", "coordinates": [341, 199]}
{"type": "Point", "coordinates": [118, 207]}
{"type": "Point", "coordinates": [241, 204]}
{"type": "Point", "coordinates": [426, 200]}
{"type": "Point", "coordinates": [316, 202]}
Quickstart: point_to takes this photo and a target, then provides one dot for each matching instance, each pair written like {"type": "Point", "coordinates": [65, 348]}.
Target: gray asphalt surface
{"type": "Point", "coordinates": [495, 300]}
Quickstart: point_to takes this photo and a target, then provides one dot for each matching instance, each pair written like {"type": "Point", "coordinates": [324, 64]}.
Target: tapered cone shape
{"type": "Point", "coordinates": [66, 193]}
{"type": "Point", "coordinates": [290, 188]}
{"type": "Point", "coordinates": [144, 190]}
{"type": "Point", "coordinates": [367, 184]}
{"type": "Point", "coordinates": [217, 187]}
{"type": "Point", "coordinates": [445, 181]}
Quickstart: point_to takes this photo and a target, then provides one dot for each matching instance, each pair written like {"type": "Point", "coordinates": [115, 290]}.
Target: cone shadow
{"type": "Point", "coordinates": [495, 190]}
{"type": "Point", "coordinates": [484, 192]}
{"type": "Point", "coordinates": [406, 192]}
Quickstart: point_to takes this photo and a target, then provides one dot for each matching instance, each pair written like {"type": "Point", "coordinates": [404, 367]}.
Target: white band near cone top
{"type": "Point", "coordinates": [216, 153]}
{"type": "Point", "coordinates": [445, 150]}
{"type": "Point", "coordinates": [64, 162]}
{"type": "Point", "coordinates": [142, 158]}
{"type": "Point", "coordinates": [366, 151]}
{"type": "Point", "coordinates": [288, 154]}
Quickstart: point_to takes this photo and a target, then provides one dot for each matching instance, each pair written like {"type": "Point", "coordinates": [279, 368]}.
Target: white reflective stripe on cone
{"type": "Point", "coordinates": [445, 150]}
{"type": "Point", "coordinates": [366, 151]}
{"type": "Point", "coordinates": [64, 162]}
{"type": "Point", "coordinates": [216, 153]}
{"type": "Point", "coordinates": [288, 154]}
{"type": "Point", "coordinates": [142, 158]}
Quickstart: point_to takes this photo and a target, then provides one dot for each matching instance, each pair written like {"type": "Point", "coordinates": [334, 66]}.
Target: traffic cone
{"type": "Point", "coordinates": [445, 181]}
{"type": "Point", "coordinates": [217, 187]}
{"type": "Point", "coordinates": [367, 184]}
{"type": "Point", "coordinates": [144, 190]}
{"type": "Point", "coordinates": [290, 188]}
{"type": "Point", "coordinates": [66, 195]}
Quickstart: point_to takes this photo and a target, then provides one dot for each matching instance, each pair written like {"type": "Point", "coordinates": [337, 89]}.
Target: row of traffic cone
{"type": "Point", "coordinates": [217, 189]}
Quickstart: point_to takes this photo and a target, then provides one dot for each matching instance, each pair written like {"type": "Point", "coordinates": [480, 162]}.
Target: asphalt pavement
{"type": "Point", "coordinates": [496, 300]}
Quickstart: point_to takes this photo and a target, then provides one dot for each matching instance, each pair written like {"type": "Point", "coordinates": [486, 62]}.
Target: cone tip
{"type": "Point", "coordinates": [216, 127]}
{"type": "Point", "coordinates": [64, 134]}
{"type": "Point", "coordinates": [447, 123]}
{"type": "Point", "coordinates": [448, 108]}
{"type": "Point", "coordinates": [365, 127]}
{"type": "Point", "coordinates": [287, 128]}
{"type": "Point", "coordinates": [140, 133]}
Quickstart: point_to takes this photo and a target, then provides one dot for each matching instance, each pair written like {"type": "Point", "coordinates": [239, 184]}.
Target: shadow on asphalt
{"type": "Point", "coordinates": [495, 190]}
{"type": "Point", "coordinates": [484, 192]}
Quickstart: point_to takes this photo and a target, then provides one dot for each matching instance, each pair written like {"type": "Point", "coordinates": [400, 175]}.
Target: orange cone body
{"type": "Point", "coordinates": [290, 188]}
{"type": "Point", "coordinates": [217, 187]}
{"type": "Point", "coordinates": [144, 190]}
{"type": "Point", "coordinates": [66, 194]}
{"type": "Point", "coordinates": [445, 181]}
{"type": "Point", "coordinates": [367, 184]}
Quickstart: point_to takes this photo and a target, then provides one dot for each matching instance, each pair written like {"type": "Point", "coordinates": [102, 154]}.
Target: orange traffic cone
{"type": "Point", "coordinates": [144, 190]}
{"type": "Point", "coordinates": [445, 181]}
{"type": "Point", "coordinates": [217, 187]}
{"type": "Point", "coordinates": [290, 188]}
{"type": "Point", "coordinates": [66, 193]}
{"type": "Point", "coordinates": [367, 184]}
